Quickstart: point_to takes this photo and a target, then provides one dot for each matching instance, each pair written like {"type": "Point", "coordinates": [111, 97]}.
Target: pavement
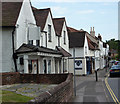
{"type": "Point", "coordinates": [88, 90]}
{"type": "Point", "coordinates": [28, 89]}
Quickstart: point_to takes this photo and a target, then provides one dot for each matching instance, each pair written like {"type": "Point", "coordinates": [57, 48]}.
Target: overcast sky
{"type": "Point", "coordinates": [103, 16]}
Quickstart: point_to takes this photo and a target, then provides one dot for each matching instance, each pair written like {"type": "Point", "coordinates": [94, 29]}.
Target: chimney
{"type": "Point", "coordinates": [92, 32]}
{"type": "Point", "coordinates": [99, 37]}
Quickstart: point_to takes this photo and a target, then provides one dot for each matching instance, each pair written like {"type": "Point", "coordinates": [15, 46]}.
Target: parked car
{"type": "Point", "coordinates": [116, 62]}
{"type": "Point", "coordinates": [115, 71]}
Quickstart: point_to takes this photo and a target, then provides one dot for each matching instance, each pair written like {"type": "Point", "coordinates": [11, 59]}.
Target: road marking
{"type": "Point", "coordinates": [111, 91]}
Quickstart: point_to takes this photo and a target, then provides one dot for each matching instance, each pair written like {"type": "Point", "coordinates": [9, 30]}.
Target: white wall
{"type": "Point", "coordinates": [6, 49]}
{"type": "Point", "coordinates": [65, 46]}
{"type": "Point", "coordinates": [97, 59]}
{"type": "Point", "coordinates": [54, 38]}
{"type": "Point", "coordinates": [25, 19]}
{"type": "Point", "coordinates": [77, 72]}
{"type": "Point", "coordinates": [101, 54]}
{"type": "Point", "coordinates": [79, 52]}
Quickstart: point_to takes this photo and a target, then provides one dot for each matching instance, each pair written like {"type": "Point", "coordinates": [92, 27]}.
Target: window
{"type": "Point", "coordinates": [30, 42]}
{"type": "Point", "coordinates": [49, 66]}
{"type": "Point", "coordinates": [37, 42]}
{"type": "Point", "coordinates": [64, 37]}
{"type": "Point", "coordinates": [49, 33]}
{"type": "Point", "coordinates": [58, 41]}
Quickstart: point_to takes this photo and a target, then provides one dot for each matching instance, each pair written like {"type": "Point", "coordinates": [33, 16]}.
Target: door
{"type": "Point", "coordinates": [88, 63]}
{"type": "Point", "coordinates": [33, 66]}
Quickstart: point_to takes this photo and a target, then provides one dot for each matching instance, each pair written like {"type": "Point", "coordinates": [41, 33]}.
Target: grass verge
{"type": "Point", "coordinates": [8, 96]}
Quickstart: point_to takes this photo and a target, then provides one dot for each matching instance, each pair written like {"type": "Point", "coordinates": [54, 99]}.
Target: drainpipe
{"type": "Point", "coordinates": [14, 55]}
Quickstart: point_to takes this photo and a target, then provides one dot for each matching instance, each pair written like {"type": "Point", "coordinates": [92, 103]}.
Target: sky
{"type": "Point", "coordinates": [102, 15]}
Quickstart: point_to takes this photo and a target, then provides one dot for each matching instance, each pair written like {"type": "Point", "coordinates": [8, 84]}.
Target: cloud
{"type": "Point", "coordinates": [58, 10]}
{"type": "Point", "coordinates": [102, 12]}
{"type": "Point", "coordinates": [86, 11]}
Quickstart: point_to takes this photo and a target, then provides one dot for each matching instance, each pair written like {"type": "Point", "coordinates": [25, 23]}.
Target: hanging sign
{"type": "Point", "coordinates": [78, 64]}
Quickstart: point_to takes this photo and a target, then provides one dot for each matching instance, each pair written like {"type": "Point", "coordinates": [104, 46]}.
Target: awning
{"type": "Point", "coordinates": [37, 50]}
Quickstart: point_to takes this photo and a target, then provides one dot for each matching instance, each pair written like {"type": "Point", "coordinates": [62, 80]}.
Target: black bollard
{"type": "Point", "coordinates": [96, 75]}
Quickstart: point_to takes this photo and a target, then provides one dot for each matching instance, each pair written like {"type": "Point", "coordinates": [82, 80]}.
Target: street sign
{"type": "Point", "coordinates": [78, 64]}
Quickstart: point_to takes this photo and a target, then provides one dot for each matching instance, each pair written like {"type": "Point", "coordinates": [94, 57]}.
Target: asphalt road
{"type": "Point", "coordinates": [114, 83]}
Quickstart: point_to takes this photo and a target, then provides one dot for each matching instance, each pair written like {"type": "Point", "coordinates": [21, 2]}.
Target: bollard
{"type": "Point", "coordinates": [96, 75]}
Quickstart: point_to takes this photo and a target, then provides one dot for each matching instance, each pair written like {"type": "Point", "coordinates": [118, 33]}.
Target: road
{"type": "Point", "coordinates": [88, 90]}
{"type": "Point", "coordinates": [114, 84]}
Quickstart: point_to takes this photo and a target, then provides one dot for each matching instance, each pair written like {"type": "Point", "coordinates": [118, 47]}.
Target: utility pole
{"type": "Point", "coordinates": [74, 72]}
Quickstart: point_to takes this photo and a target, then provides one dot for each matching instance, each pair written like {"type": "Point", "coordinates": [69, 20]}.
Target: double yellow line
{"type": "Point", "coordinates": [111, 91]}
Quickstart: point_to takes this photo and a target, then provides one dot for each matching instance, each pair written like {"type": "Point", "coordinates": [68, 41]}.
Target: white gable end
{"type": "Point", "coordinates": [54, 38]}
{"type": "Point", "coordinates": [26, 19]}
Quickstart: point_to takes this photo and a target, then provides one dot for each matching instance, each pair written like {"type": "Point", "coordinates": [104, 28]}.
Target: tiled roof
{"type": "Point", "coordinates": [10, 13]}
{"type": "Point", "coordinates": [41, 16]}
{"type": "Point", "coordinates": [26, 48]}
{"type": "Point", "coordinates": [63, 51]}
{"type": "Point", "coordinates": [91, 44]}
{"type": "Point", "coordinates": [70, 29]}
{"type": "Point", "coordinates": [76, 39]}
{"type": "Point", "coordinates": [58, 24]}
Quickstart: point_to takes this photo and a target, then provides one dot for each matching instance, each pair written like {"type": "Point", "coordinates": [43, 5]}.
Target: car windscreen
{"type": "Point", "coordinates": [115, 67]}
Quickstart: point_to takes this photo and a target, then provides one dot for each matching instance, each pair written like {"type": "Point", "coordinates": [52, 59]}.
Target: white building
{"type": "Point", "coordinates": [34, 40]}
{"type": "Point", "coordinates": [14, 31]}
{"type": "Point", "coordinates": [85, 48]}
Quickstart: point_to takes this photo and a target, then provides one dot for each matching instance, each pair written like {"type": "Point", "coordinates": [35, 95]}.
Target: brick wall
{"type": "Point", "coordinates": [43, 78]}
{"type": "Point", "coordinates": [10, 78]}
{"type": "Point", "coordinates": [61, 93]}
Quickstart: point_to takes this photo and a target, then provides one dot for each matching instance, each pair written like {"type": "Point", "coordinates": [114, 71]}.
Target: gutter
{"type": "Point", "coordinates": [14, 55]}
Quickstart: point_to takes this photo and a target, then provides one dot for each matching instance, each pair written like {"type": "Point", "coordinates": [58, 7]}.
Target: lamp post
{"type": "Point", "coordinates": [74, 72]}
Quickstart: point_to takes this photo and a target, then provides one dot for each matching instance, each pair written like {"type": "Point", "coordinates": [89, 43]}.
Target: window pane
{"type": "Point", "coordinates": [64, 37]}
{"type": "Point", "coordinates": [30, 42]}
{"type": "Point", "coordinates": [37, 42]}
{"type": "Point", "coordinates": [49, 32]}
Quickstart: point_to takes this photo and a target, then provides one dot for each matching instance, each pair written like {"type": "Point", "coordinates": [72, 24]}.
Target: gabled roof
{"type": "Point", "coordinates": [63, 51]}
{"type": "Point", "coordinates": [70, 29]}
{"type": "Point", "coordinates": [76, 39]}
{"type": "Point", "coordinates": [41, 16]}
{"type": "Point", "coordinates": [10, 12]}
{"type": "Point", "coordinates": [26, 48]}
{"type": "Point", "coordinates": [58, 24]}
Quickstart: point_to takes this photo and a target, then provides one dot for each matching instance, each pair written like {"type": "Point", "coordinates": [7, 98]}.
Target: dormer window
{"type": "Point", "coordinates": [30, 42]}
{"type": "Point", "coordinates": [49, 33]}
{"type": "Point", "coordinates": [64, 37]}
{"type": "Point", "coordinates": [58, 41]}
{"type": "Point", "coordinates": [37, 42]}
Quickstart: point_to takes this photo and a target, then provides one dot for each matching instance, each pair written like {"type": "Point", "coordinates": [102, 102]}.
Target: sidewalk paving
{"type": "Point", "coordinates": [88, 90]}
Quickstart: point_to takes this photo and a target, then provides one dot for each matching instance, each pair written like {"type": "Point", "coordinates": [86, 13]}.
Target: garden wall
{"type": "Point", "coordinates": [61, 93]}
